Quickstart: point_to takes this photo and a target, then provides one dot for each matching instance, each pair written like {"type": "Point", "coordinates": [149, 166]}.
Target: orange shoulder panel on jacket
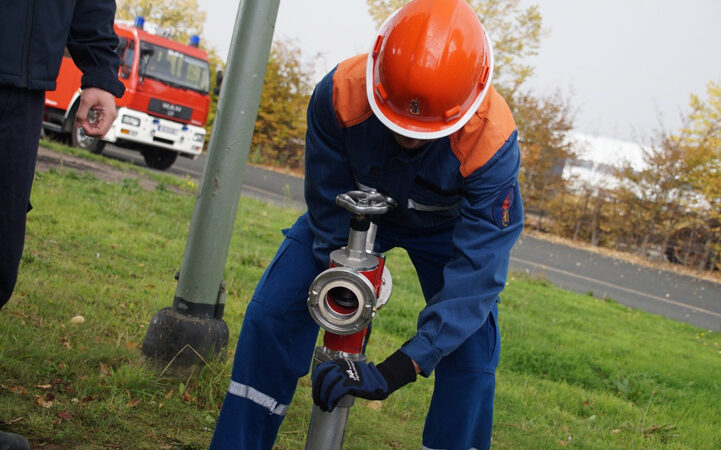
{"type": "Point", "coordinates": [476, 143]}
{"type": "Point", "coordinates": [349, 92]}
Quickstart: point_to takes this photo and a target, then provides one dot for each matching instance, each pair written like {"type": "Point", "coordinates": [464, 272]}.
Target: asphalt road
{"type": "Point", "coordinates": [258, 183]}
{"type": "Point", "coordinates": [661, 292]}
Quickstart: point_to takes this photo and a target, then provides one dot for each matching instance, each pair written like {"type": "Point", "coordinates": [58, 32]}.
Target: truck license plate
{"type": "Point", "coordinates": [164, 129]}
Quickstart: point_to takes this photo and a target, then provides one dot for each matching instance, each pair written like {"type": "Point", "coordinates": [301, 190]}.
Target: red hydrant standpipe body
{"type": "Point", "coordinates": [339, 301]}
{"type": "Point", "coordinates": [343, 300]}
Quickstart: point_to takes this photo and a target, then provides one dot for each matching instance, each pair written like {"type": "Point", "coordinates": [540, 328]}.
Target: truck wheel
{"type": "Point", "coordinates": [159, 158]}
{"type": "Point", "coordinates": [81, 140]}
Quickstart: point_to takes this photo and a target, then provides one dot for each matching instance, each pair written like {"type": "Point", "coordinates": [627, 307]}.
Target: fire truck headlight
{"type": "Point", "coordinates": [198, 137]}
{"type": "Point", "coordinates": [130, 120]}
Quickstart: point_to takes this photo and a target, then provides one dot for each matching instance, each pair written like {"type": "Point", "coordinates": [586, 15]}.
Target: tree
{"type": "Point", "coordinates": [181, 18]}
{"type": "Point", "coordinates": [278, 139]}
{"type": "Point", "coordinates": [655, 195]}
{"type": "Point", "coordinates": [515, 34]}
{"type": "Point", "coordinates": [700, 141]}
{"type": "Point", "coordinates": [543, 123]}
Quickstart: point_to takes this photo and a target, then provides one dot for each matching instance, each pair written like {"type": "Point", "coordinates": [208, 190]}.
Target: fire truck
{"type": "Point", "coordinates": [166, 100]}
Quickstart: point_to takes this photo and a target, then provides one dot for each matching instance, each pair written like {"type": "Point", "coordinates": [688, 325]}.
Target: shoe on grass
{"type": "Point", "coordinates": [12, 441]}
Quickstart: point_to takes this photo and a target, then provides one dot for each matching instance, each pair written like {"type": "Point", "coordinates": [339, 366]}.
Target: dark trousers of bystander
{"type": "Point", "coordinates": [21, 112]}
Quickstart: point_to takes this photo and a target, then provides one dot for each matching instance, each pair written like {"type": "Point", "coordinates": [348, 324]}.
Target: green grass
{"type": "Point", "coordinates": [575, 371]}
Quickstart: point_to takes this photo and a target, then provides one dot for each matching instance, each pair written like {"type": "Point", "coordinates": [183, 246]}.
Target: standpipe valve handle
{"type": "Point", "coordinates": [365, 202]}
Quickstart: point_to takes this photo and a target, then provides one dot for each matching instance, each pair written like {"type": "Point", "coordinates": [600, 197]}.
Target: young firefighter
{"type": "Point", "coordinates": [416, 119]}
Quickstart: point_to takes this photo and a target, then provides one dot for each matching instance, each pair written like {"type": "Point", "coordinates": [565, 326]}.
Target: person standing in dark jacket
{"type": "Point", "coordinates": [34, 34]}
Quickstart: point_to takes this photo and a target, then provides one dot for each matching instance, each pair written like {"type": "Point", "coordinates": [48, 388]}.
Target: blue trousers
{"type": "Point", "coordinates": [278, 337]}
{"type": "Point", "coordinates": [21, 113]}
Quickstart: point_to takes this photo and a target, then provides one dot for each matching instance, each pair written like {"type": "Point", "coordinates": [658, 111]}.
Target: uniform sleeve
{"type": "Point", "coordinates": [491, 222]}
{"type": "Point", "coordinates": [327, 173]}
{"type": "Point", "coordinates": [92, 42]}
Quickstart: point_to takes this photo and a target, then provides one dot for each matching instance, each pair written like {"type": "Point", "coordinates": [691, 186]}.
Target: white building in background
{"type": "Point", "coordinates": [597, 157]}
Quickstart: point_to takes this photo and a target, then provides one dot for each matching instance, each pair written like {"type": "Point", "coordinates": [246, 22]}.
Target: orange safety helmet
{"type": "Point", "coordinates": [429, 69]}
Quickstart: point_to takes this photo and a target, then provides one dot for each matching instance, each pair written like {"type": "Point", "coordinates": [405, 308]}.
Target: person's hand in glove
{"type": "Point", "coordinates": [334, 379]}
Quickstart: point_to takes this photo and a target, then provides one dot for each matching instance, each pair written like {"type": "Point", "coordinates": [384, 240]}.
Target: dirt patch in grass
{"type": "Point", "coordinates": [48, 159]}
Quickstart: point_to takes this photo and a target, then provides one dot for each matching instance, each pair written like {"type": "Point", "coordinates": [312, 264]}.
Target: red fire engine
{"type": "Point", "coordinates": [166, 100]}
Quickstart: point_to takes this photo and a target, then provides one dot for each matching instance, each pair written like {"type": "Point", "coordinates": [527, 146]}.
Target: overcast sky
{"type": "Point", "coordinates": [622, 64]}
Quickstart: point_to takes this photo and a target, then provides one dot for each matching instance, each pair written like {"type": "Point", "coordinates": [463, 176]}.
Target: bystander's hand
{"type": "Point", "coordinates": [102, 105]}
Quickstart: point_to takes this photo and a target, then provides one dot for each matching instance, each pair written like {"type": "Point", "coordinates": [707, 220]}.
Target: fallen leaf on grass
{"type": "Point", "coordinates": [19, 389]}
{"type": "Point", "coordinates": [43, 386]}
{"type": "Point", "coordinates": [44, 402]}
{"type": "Point", "coordinates": [132, 403]}
{"type": "Point", "coordinates": [77, 319]}
{"type": "Point", "coordinates": [375, 405]}
{"type": "Point", "coordinates": [64, 415]}
{"type": "Point", "coordinates": [104, 369]}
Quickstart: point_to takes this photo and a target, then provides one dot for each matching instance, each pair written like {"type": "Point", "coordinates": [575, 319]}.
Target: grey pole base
{"type": "Point", "coordinates": [180, 339]}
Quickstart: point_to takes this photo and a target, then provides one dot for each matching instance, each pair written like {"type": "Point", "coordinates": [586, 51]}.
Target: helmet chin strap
{"type": "Point", "coordinates": [410, 144]}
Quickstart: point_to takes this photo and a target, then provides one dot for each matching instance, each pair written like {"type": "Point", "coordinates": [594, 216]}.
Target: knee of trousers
{"type": "Point", "coordinates": [480, 353]}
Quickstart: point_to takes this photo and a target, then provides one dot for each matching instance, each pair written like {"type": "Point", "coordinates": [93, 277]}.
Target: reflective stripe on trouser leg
{"type": "Point", "coordinates": [257, 397]}
{"type": "Point", "coordinates": [274, 349]}
{"type": "Point", "coordinates": [461, 411]}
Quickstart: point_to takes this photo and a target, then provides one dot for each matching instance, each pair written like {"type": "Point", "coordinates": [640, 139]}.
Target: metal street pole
{"type": "Point", "coordinates": [195, 319]}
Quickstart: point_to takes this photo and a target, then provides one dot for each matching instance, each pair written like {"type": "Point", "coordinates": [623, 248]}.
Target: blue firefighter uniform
{"type": "Point", "coordinates": [459, 213]}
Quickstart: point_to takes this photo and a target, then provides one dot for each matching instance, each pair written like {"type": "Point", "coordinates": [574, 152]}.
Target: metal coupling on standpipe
{"type": "Point", "coordinates": [344, 298]}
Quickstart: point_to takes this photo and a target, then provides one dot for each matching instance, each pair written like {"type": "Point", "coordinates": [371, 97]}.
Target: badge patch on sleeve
{"type": "Point", "coordinates": [502, 208]}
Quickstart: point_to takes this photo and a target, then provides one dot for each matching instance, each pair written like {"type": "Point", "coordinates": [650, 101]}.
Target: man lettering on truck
{"type": "Point", "coordinates": [33, 35]}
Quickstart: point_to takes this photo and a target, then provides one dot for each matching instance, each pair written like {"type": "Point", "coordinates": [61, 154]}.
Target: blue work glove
{"type": "Point", "coordinates": [334, 379]}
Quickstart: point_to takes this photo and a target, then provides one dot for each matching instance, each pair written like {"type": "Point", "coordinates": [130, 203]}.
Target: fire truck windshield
{"type": "Point", "coordinates": [175, 68]}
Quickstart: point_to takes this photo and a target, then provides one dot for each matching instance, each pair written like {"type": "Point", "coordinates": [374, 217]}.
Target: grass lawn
{"type": "Point", "coordinates": [575, 371]}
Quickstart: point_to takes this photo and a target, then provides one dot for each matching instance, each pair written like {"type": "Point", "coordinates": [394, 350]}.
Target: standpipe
{"type": "Point", "coordinates": [343, 300]}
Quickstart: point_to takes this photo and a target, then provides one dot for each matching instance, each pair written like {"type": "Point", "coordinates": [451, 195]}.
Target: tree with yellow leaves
{"type": "Point", "coordinates": [279, 137]}
{"type": "Point", "coordinates": [182, 18]}
{"type": "Point", "coordinates": [700, 140]}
